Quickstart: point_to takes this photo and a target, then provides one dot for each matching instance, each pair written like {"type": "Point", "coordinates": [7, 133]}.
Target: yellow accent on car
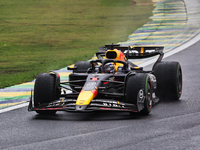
{"type": "Point", "coordinates": [118, 103]}
{"type": "Point", "coordinates": [118, 56]}
{"type": "Point", "coordinates": [111, 51]}
{"type": "Point", "coordinates": [142, 50]}
{"type": "Point", "coordinates": [136, 67]}
{"type": "Point", "coordinates": [84, 98]}
{"type": "Point", "coordinates": [71, 67]}
{"type": "Point", "coordinates": [61, 102]}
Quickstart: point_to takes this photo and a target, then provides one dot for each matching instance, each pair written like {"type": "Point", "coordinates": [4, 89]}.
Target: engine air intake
{"type": "Point", "coordinates": [111, 55]}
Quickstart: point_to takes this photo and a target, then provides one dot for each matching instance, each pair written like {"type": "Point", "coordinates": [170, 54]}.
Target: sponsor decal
{"type": "Point", "coordinates": [113, 104]}
{"type": "Point", "coordinates": [141, 96]}
{"type": "Point", "coordinates": [135, 51]}
{"type": "Point", "coordinates": [140, 100]}
{"type": "Point", "coordinates": [53, 104]}
{"type": "Point", "coordinates": [149, 51]}
{"type": "Point", "coordinates": [131, 51]}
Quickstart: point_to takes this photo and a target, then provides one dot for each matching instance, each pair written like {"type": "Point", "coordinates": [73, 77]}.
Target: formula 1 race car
{"type": "Point", "coordinates": [110, 83]}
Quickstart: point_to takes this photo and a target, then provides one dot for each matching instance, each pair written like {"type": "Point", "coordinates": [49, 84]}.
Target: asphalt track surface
{"type": "Point", "coordinates": [170, 125]}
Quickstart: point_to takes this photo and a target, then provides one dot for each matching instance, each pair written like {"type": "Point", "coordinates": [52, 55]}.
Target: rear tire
{"type": "Point", "coordinates": [45, 91]}
{"type": "Point", "coordinates": [82, 66]}
{"type": "Point", "coordinates": [169, 80]}
{"type": "Point", "coordinates": [139, 82]}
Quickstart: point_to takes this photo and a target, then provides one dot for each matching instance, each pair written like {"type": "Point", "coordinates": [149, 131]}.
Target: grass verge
{"type": "Point", "coordinates": [42, 35]}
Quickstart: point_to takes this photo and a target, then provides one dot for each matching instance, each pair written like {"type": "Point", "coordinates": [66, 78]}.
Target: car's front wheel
{"type": "Point", "coordinates": [46, 90]}
{"type": "Point", "coordinates": [139, 92]}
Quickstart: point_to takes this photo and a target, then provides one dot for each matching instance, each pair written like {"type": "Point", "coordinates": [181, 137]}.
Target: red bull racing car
{"type": "Point", "coordinates": [110, 83]}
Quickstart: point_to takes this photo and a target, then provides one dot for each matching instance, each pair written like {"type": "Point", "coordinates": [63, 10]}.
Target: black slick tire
{"type": "Point", "coordinates": [135, 84]}
{"type": "Point", "coordinates": [45, 91]}
{"type": "Point", "coordinates": [169, 80]}
{"type": "Point", "coordinates": [82, 66]}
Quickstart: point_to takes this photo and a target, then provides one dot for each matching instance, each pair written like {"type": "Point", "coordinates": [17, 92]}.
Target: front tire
{"type": "Point", "coordinates": [46, 90]}
{"type": "Point", "coordinates": [139, 88]}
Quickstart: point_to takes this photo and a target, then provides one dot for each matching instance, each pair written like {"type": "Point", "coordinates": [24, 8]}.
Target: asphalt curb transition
{"type": "Point", "coordinates": [174, 22]}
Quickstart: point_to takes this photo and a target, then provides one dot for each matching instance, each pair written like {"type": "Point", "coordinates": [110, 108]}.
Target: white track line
{"type": "Point", "coordinates": [172, 52]}
{"type": "Point", "coordinates": [14, 107]}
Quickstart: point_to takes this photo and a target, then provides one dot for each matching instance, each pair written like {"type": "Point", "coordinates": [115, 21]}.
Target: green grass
{"type": "Point", "coordinates": [42, 35]}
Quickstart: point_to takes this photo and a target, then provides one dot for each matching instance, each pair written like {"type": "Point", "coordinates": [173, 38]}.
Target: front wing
{"type": "Point", "coordinates": [95, 105]}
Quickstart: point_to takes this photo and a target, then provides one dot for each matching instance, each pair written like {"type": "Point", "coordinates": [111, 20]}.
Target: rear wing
{"type": "Point", "coordinates": [133, 52]}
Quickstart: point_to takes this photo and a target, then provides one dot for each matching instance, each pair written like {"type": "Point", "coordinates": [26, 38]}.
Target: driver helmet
{"type": "Point", "coordinates": [109, 68]}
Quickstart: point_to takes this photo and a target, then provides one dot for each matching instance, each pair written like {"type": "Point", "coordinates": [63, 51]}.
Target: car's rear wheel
{"type": "Point", "coordinates": [139, 92]}
{"type": "Point", "coordinates": [82, 66]}
{"type": "Point", "coordinates": [169, 80]}
{"type": "Point", "coordinates": [46, 90]}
